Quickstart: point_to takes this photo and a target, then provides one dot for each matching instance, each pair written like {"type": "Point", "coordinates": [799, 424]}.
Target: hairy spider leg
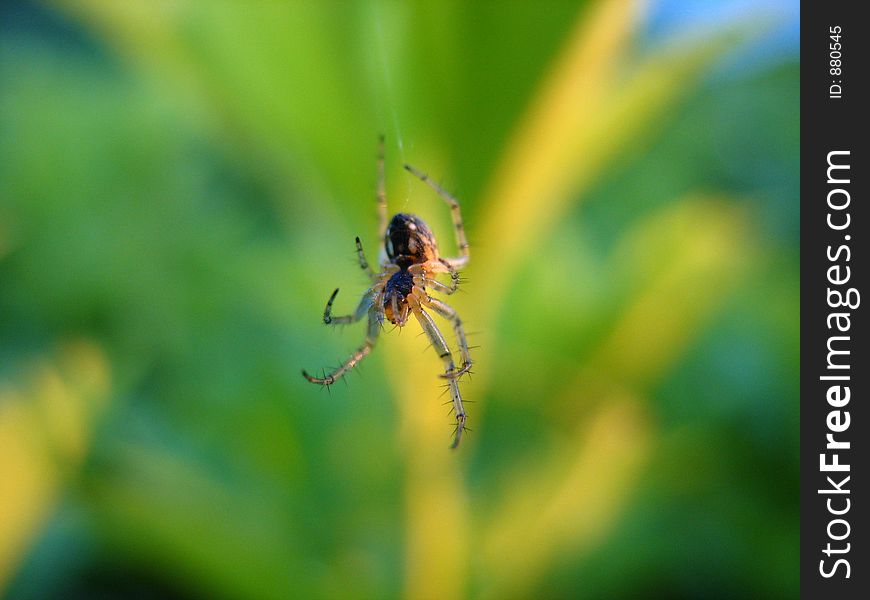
{"type": "Point", "coordinates": [374, 329]}
{"type": "Point", "coordinates": [382, 203]}
{"type": "Point", "coordinates": [423, 281]}
{"type": "Point", "coordinates": [454, 275]}
{"type": "Point", "coordinates": [431, 267]}
{"type": "Point", "coordinates": [363, 263]}
{"type": "Point", "coordinates": [443, 351]}
{"type": "Point", "coordinates": [449, 313]}
{"type": "Point", "coordinates": [362, 308]}
{"type": "Point", "coordinates": [455, 213]}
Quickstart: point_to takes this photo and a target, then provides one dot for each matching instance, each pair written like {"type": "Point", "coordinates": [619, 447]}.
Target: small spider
{"type": "Point", "coordinates": [409, 262]}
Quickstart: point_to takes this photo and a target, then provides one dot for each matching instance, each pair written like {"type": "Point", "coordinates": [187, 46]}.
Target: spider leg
{"type": "Point", "coordinates": [382, 202]}
{"type": "Point", "coordinates": [362, 308]}
{"type": "Point", "coordinates": [437, 286]}
{"type": "Point", "coordinates": [443, 351]}
{"type": "Point", "coordinates": [375, 318]}
{"type": "Point", "coordinates": [432, 267]}
{"type": "Point", "coordinates": [461, 241]}
{"type": "Point", "coordinates": [449, 313]}
{"type": "Point", "coordinates": [454, 275]}
{"type": "Point", "coordinates": [363, 263]}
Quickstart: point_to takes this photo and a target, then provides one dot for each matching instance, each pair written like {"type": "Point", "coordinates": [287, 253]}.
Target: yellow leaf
{"type": "Point", "coordinates": [46, 428]}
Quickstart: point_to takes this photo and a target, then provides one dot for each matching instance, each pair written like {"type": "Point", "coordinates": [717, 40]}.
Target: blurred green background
{"type": "Point", "coordinates": [180, 187]}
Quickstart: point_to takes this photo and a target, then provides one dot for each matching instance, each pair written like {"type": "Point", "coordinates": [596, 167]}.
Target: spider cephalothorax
{"type": "Point", "coordinates": [409, 263]}
{"type": "Point", "coordinates": [397, 290]}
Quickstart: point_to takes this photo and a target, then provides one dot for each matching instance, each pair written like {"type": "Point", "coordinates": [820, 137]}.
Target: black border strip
{"type": "Point", "coordinates": [833, 122]}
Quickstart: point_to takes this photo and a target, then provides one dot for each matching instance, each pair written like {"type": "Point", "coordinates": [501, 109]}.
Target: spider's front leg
{"type": "Point", "coordinates": [374, 329]}
{"type": "Point", "coordinates": [362, 308]}
{"type": "Point", "coordinates": [363, 263]}
{"type": "Point", "coordinates": [443, 351]}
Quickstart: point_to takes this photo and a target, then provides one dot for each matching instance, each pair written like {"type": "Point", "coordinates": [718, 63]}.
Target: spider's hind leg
{"type": "Point", "coordinates": [455, 213]}
{"type": "Point", "coordinates": [382, 202]}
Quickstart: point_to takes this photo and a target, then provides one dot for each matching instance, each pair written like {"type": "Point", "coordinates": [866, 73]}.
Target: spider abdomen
{"type": "Point", "coordinates": [409, 240]}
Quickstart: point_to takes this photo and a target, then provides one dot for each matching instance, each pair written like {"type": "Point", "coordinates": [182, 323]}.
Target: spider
{"type": "Point", "coordinates": [409, 262]}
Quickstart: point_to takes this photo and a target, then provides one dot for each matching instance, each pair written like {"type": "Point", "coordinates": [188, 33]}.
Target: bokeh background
{"type": "Point", "coordinates": [180, 187]}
